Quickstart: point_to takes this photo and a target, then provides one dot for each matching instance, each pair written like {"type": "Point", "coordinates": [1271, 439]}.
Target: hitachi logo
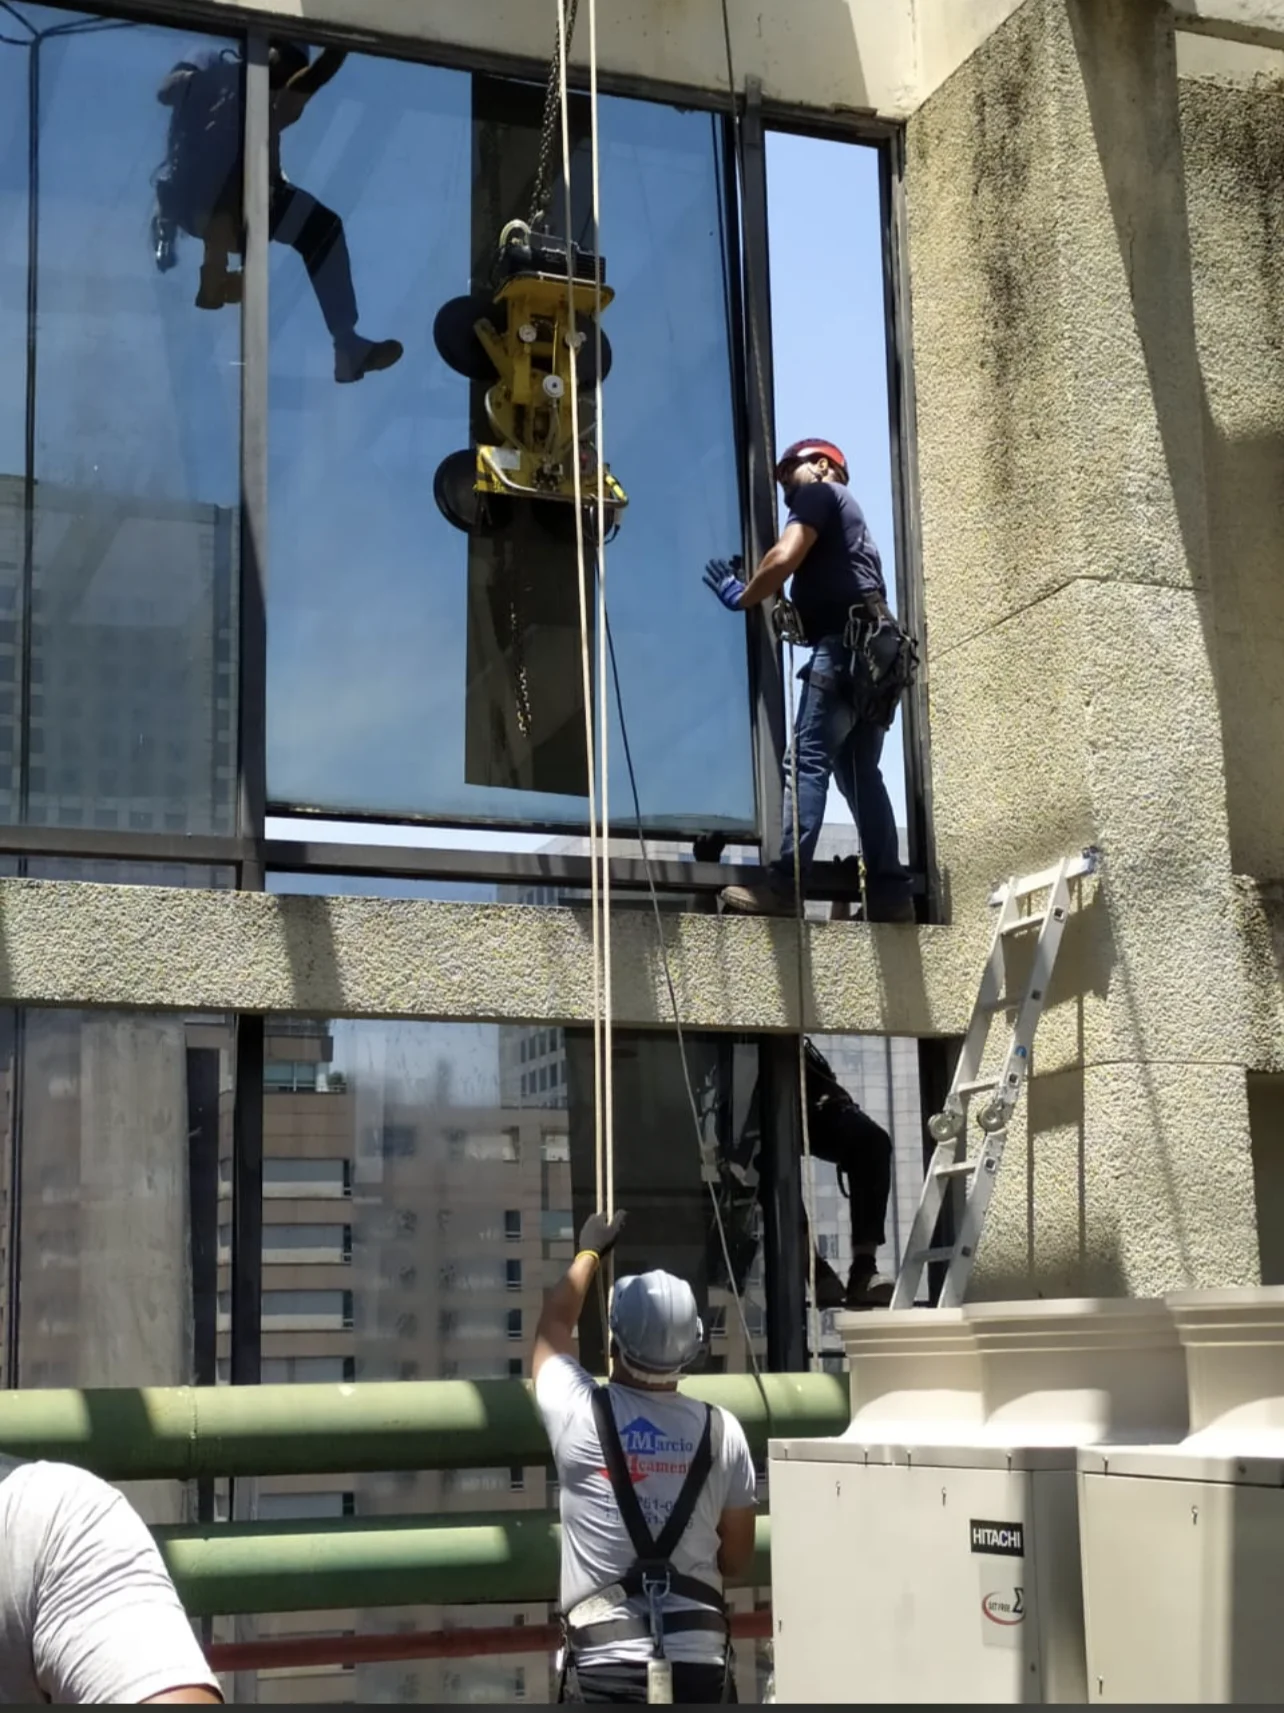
{"type": "Point", "coordinates": [1005, 1539]}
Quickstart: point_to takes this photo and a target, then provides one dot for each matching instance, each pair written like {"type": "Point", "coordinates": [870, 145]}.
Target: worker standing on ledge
{"type": "Point", "coordinates": [827, 549]}
{"type": "Point", "coordinates": [657, 1492]}
{"type": "Point", "coordinates": [88, 1613]}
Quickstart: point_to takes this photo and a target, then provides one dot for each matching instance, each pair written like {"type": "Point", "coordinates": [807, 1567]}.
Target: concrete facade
{"type": "Point", "coordinates": [1093, 226]}
{"type": "Point", "coordinates": [1096, 288]}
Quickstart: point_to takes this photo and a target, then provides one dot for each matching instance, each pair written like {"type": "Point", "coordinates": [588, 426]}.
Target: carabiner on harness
{"type": "Point", "coordinates": [786, 624]}
{"type": "Point", "coordinates": [656, 1586]}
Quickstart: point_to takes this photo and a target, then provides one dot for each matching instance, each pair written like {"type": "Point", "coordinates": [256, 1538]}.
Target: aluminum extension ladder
{"type": "Point", "coordinates": [948, 1129]}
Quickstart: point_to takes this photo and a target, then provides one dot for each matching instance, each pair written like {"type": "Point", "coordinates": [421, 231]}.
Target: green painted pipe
{"type": "Point", "coordinates": [181, 1432]}
{"type": "Point", "coordinates": [509, 1557]}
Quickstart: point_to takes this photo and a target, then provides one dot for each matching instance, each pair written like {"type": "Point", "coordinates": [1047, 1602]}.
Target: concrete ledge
{"type": "Point", "coordinates": [74, 944]}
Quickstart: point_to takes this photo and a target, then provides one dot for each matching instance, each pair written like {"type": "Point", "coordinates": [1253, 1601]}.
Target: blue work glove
{"type": "Point", "coordinates": [721, 575]}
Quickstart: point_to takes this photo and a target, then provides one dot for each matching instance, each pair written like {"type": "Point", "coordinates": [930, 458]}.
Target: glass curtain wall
{"type": "Point", "coordinates": [119, 444]}
{"type": "Point", "coordinates": [112, 1127]}
{"type": "Point", "coordinates": [418, 1202]}
{"type": "Point", "coordinates": [415, 671]}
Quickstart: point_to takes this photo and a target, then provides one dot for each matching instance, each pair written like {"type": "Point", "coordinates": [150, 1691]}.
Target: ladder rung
{"type": "Point", "coordinates": [1087, 863]}
{"type": "Point", "coordinates": [1006, 1003]}
{"type": "Point", "coordinates": [1036, 919]}
{"type": "Point", "coordinates": [983, 1087]}
{"type": "Point", "coordinates": [957, 1169]}
{"type": "Point", "coordinates": [923, 1257]}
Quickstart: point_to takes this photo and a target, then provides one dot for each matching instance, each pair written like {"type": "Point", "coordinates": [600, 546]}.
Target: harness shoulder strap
{"type": "Point", "coordinates": [645, 1544]}
{"type": "Point", "coordinates": [706, 1455]}
{"type": "Point", "coordinates": [618, 1470]}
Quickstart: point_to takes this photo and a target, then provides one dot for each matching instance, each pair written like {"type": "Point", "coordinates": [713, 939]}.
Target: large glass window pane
{"type": "Point", "coordinates": [119, 441]}
{"type": "Point", "coordinates": [111, 1128]}
{"type": "Point", "coordinates": [845, 397]}
{"type": "Point", "coordinates": [417, 671]}
{"type": "Point", "coordinates": [463, 1199]}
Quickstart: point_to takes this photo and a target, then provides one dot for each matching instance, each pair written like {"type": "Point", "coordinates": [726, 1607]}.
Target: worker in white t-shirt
{"type": "Point", "coordinates": [657, 1492]}
{"type": "Point", "coordinates": [88, 1613]}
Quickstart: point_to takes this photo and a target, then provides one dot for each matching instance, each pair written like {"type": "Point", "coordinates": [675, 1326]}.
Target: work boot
{"type": "Point", "coordinates": [829, 1287]}
{"type": "Point", "coordinates": [843, 909]}
{"type": "Point", "coordinates": [892, 910]}
{"type": "Point", "coordinates": [355, 357]}
{"type": "Point", "coordinates": [865, 1290]}
{"type": "Point", "coordinates": [764, 899]}
{"type": "Point", "coordinates": [212, 291]}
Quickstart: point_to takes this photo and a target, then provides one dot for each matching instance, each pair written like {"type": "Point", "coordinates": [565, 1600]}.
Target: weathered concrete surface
{"type": "Point", "coordinates": [1071, 598]}
{"type": "Point", "coordinates": [1233, 140]}
{"type": "Point", "coordinates": [884, 59]}
{"type": "Point", "coordinates": [1124, 1180]}
{"type": "Point", "coordinates": [71, 944]}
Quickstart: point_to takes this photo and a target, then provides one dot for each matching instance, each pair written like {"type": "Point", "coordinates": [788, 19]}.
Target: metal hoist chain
{"type": "Point", "coordinates": [548, 135]}
{"type": "Point", "coordinates": [521, 682]}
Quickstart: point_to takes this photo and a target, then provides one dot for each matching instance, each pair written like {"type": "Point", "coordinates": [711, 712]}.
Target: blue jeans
{"type": "Point", "coordinates": [832, 743]}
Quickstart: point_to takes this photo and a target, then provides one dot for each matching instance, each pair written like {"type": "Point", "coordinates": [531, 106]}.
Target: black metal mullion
{"type": "Point", "coordinates": [909, 554]}
{"type": "Point", "coordinates": [765, 667]}
{"type": "Point", "coordinates": [252, 699]}
{"type": "Point", "coordinates": [780, 1114]}
{"type": "Point", "coordinates": [26, 616]}
{"type": "Point", "coordinates": [247, 1203]}
{"type": "Point", "coordinates": [13, 1211]}
{"type": "Point", "coordinates": [247, 1110]}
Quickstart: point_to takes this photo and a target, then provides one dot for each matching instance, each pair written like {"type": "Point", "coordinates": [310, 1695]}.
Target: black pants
{"type": "Point", "coordinates": [691, 1683]}
{"type": "Point", "coordinates": [848, 1138]}
{"type": "Point", "coordinates": [296, 218]}
{"type": "Point", "coordinates": [307, 226]}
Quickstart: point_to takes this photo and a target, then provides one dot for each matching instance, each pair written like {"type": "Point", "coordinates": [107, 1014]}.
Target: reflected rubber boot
{"type": "Point", "coordinates": [213, 289]}
{"type": "Point", "coordinates": [829, 1287]}
{"type": "Point", "coordinates": [865, 1290]}
{"type": "Point", "coordinates": [355, 357]}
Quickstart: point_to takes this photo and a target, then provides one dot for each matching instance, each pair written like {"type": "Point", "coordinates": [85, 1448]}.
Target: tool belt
{"type": "Point", "coordinates": [882, 661]}
{"type": "Point", "coordinates": [590, 1623]}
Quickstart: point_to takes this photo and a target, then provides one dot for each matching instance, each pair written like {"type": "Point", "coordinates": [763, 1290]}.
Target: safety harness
{"type": "Point", "coordinates": [651, 1575]}
{"type": "Point", "coordinates": [882, 660]}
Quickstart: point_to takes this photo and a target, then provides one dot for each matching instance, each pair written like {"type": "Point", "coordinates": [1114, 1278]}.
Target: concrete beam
{"type": "Point", "coordinates": [1237, 20]}
{"type": "Point", "coordinates": [160, 948]}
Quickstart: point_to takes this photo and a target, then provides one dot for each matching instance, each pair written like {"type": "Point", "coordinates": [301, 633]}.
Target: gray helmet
{"type": "Point", "coordinates": [655, 1323]}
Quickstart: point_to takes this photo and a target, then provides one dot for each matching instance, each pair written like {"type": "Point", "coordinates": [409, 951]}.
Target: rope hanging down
{"type": "Point", "coordinates": [756, 347]}
{"type": "Point", "coordinates": [602, 1119]}
{"type": "Point", "coordinates": [608, 673]}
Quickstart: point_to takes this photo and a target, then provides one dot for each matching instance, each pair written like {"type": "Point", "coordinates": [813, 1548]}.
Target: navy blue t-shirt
{"type": "Point", "coordinates": [843, 565]}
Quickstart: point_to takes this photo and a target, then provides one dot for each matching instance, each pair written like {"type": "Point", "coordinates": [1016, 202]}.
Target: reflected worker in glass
{"type": "Point", "coordinates": [200, 189]}
{"type": "Point", "coordinates": [848, 1138]}
{"type": "Point", "coordinates": [827, 549]}
{"type": "Point", "coordinates": [844, 1136]}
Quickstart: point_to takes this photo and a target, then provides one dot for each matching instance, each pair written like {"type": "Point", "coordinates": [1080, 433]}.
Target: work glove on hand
{"type": "Point", "coordinates": [600, 1233]}
{"type": "Point", "coordinates": [722, 576]}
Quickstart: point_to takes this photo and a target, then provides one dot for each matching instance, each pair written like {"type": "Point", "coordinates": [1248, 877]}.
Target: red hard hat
{"type": "Point", "coordinates": [812, 449]}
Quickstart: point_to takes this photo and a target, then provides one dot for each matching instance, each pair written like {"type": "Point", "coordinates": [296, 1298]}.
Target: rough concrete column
{"type": "Point", "coordinates": [135, 1273]}
{"type": "Point", "coordinates": [1070, 611]}
{"type": "Point", "coordinates": [135, 1265]}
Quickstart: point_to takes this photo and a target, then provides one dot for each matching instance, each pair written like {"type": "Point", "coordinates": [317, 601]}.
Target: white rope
{"type": "Point", "coordinates": [599, 1137]}
{"type": "Point", "coordinates": [604, 738]}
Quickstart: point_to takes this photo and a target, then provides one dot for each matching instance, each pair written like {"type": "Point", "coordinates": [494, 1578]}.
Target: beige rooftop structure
{"type": "Point", "coordinates": [1095, 238]}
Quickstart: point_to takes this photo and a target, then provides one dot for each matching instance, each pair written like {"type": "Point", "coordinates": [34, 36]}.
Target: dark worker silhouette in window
{"type": "Point", "coordinates": [200, 189]}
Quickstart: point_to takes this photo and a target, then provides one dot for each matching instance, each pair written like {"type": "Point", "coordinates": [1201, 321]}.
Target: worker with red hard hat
{"type": "Point", "coordinates": [851, 685]}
